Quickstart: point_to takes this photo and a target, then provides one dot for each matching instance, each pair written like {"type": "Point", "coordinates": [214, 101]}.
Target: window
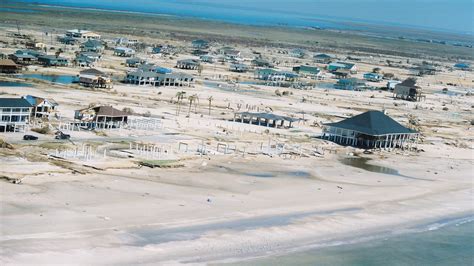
{"type": "Point", "coordinates": [5, 118]}
{"type": "Point", "coordinates": [24, 118]}
{"type": "Point", "coordinates": [26, 109]}
{"type": "Point", "coordinates": [7, 109]}
{"type": "Point", "coordinates": [16, 110]}
{"type": "Point", "coordinates": [15, 118]}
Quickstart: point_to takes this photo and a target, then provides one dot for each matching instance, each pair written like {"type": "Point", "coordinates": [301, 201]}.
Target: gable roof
{"type": "Point", "coordinates": [14, 103]}
{"type": "Point", "coordinates": [409, 82]}
{"type": "Point", "coordinates": [92, 43]}
{"type": "Point", "coordinates": [7, 62]}
{"type": "Point", "coordinates": [92, 71]}
{"type": "Point", "coordinates": [372, 123]}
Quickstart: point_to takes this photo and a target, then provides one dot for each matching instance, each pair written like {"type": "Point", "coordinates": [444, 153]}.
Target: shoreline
{"type": "Point", "coordinates": [348, 26]}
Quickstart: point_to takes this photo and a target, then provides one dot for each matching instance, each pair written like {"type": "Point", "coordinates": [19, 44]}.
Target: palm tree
{"type": "Point", "coordinates": [210, 104]}
{"type": "Point", "coordinates": [180, 96]}
{"type": "Point", "coordinates": [192, 99]}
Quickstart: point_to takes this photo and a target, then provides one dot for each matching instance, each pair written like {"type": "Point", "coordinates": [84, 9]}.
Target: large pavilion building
{"type": "Point", "coordinates": [370, 130]}
{"type": "Point", "coordinates": [265, 119]}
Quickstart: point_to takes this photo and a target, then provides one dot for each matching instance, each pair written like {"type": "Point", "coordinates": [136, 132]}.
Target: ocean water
{"type": "Point", "coordinates": [444, 243]}
{"type": "Point", "coordinates": [442, 15]}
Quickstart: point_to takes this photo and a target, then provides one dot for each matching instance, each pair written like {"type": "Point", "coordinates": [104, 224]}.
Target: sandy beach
{"type": "Point", "coordinates": [223, 207]}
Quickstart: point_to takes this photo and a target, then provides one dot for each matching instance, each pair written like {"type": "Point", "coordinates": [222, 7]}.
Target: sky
{"type": "Point", "coordinates": [444, 15]}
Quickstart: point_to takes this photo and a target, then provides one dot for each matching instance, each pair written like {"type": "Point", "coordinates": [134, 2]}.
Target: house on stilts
{"type": "Point", "coordinates": [371, 130]}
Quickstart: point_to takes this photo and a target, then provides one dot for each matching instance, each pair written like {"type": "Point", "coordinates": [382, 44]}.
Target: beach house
{"type": "Point", "coordinates": [53, 60]}
{"type": "Point", "coordinates": [374, 77]}
{"type": "Point", "coordinates": [124, 51]}
{"type": "Point", "coordinates": [15, 114]}
{"type": "Point", "coordinates": [92, 45]}
{"type": "Point", "coordinates": [238, 68]}
{"type": "Point", "coordinates": [200, 44]}
{"type": "Point", "coordinates": [408, 90]}
{"type": "Point", "coordinates": [42, 107]}
{"type": "Point", "coordinates": [207, 59]}
{"type": "Point", "coordinates": [260, 62]}
{"type": "Point", "coordinates": [134, 62]}
{"type": "Point", "coordinates": [462, 66]}
{"type": "Point", "coordinates": [190, 64]}
{"type": "Point", "coordinates": [322, 58]}
{"type": "Point", "coordinates": [101, 117]}
{"type": "Point", "coordinates": [352, 84]}
{"type": "Point", "coordinates": [298, 53]}
{"type": "Point", "coordinates": [82, 34]}
{"type": "Point", "coordinates": [370, 130]}
{"type": "Point", "coordinates": [332, 67]}
{"type": "Point", "coordinates": [308, 71]}
{"type": "Point", "coordinates": [94, 78]}
{"type": "Point", "coordinates": [8, 66]}
{"type": "Point", "coordinates": [391, 84]}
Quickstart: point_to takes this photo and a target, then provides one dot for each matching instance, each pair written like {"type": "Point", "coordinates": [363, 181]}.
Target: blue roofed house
{"type": "Point", "coordinates": [124, 51]}
{"type": "Point", "coordinates": [14, 114]}
{"type": "Point", "coordinates": [375, 77]}
{"type": "Point", "coordinates": [92, 45]}
{"type": "Point", "coordinates": [200, 44]}
{"type": "Point", "coordinates": [53, 60]}
{"type": "Point", "coordinates": [352, 84]}
{"type": "Point", "coordinates": [332, 67]}
{"type": "Point", "coordinates": [308, 71]}
{"type": "Point", "coordinates": [298, 53]}
{"type": "Point", "coordinates": [134, 62]}
{"type": "Point", "coordinates": [42, 107]}
{"type": "Point", "coordinates": [322, 58]}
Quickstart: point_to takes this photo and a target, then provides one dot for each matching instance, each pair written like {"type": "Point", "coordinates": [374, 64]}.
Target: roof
{"type": "Point", "coordinates": [372, 123]}
{"type": "Point", "coordinates": [92, 71]}
{"type": "Point", "coordinates": [105, 111]}
{"type": "Point", "coordinates": [269, 116]}
{"type": "Point", "coordinates": [409, 82]}
{"type": "Point", "coordinates": [323, 56]}
{"type": "Point", "coordinates": [7, 62]}
{"type": "Point", "coordinates": [92, 43]}
{"type": "Point", "coordinates": [14, 102]}
{"type": "Point", "coordinates": [34, 100]}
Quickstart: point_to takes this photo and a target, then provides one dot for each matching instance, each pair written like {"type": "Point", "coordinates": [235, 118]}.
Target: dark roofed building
{"type": "Point", "coordinates": [8, 66]}
{"type": "Point", "coordinates": [101, 117]}
{"type": "Point", "coordinates": [372, 129]}
{"type": "Point", "coordinates": [408, 90]}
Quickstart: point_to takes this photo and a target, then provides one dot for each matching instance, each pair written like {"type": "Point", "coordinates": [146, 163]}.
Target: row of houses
{"type": "Point", "coordinates": [29, 57]}
{"type": "Point", "coordinates": [17, 113]}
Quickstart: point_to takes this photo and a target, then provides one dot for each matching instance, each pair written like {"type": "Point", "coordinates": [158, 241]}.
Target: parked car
{"type": "Point", "coordinates": [61, 135]}
{"type": "Point", "coordinates": [30, 137]}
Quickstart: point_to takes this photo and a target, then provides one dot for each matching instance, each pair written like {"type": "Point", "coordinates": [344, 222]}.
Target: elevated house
{"type": "Point", "coordinates": [92, 45]}
{"type": "Point", "coordinates": [260, 62]}
{"type": "Point", "coordinates": [134, 62]}
{"type": "Point", "coordinates": [370, 130]}
{"type": "Point", "coordinates": [149, 78]}
{"type": "Point", "coordinates": [200, 44]}
{"type": "Point", "coordinates": [82, 34]}
{"type": "Point", "coordinates": [332, 67]}
{"type": "Point", "coordinates": [352, 84]}
{"type": "Point", "coordinates": [342, 73]}
{"type": "Point", "coordinates": [94, 78]}
{"type": "Point", "coordinates": [163, 49]}
{"type": "Point", "coordinates": [15, 114]}
{"type": "Point", "coordinates": [323, 58]}
{"type": "Point", "coordinates": [199, 52]}
{"type": "Point", "coordinates": [68, 40]}
{"type": "Point", "coordinates": [53, 60]}
{"type": "Point", "coordinates": [298, 53]}
{"type": "Point", "coordinates": [408, 90]}
{"type": "Point", "coordinates": [125, 41]}
{"type": "Point", "coordinates": [207, 59]}
{"type": "Point", "coordinates": [8, 66]}
{"type": "Point", "coordinates": [308, 71]}
{"type": "Point", "coordinates": [241, 68]}
{"type": "Point", "coordinates": [229, 53]}
{"type": "Point", "coordinates": [124, 51]}
{"type": "Point", "coordinates": [101, 117]}
{"type": "Point", "coordinates": [392, 83]}
{"type": "Point", "coordinates": [42, 107]}
{"type": "Point", "coordinates": [23, 59]}
{"type": "Point", "coordinates": [191, 64]}
{"type": "Point", "coordinates": [374, 77]}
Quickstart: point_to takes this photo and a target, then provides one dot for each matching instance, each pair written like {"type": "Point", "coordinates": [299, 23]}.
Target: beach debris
{"type": "Point", "coordinates": [12, 180]}
{"type": "Point", "coordinates": [208, 200]}
{"type": "Point", "coordinates": [339, 187]}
